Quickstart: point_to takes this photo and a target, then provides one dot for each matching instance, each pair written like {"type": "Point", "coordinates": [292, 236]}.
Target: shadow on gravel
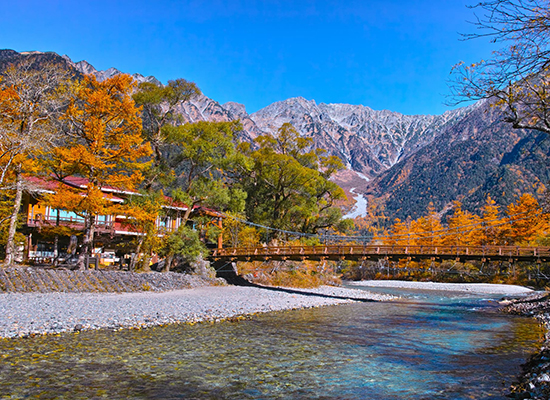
{"type": "Point", "coordinates": [240, 281]}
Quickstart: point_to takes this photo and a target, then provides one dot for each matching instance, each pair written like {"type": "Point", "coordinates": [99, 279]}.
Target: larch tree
{"type": "Point", "coordinates": [400, 234]}
{"type": "Point", "coordinates": [526, 222]}
{"type": "Point", "coordinates": [32, 98]}
{"type": "Point", "coordinates": [490, 228]}
{"type": "Point", "coordinates": [428, 229]}
{"type": "Point", "coordinates": [462, 227]}
{"type": "Point", "coordinates": [102, 144]}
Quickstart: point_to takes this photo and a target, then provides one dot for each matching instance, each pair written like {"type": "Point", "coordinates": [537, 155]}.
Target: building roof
{"type": "Point", "coordinates": [42, 185]}
{"type": "Point", "coordinates": [82, 183]}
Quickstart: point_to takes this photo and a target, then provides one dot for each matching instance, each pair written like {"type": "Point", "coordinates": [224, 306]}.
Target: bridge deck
{"type": "Point", "coordinates": [376, 252]}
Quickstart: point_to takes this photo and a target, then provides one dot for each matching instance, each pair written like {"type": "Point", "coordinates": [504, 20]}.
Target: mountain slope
{"type": "Point", "coordinates": [477, 156]}
{"type": "Point", "coordinates": [408, 160]}
{"type": "Point", "coordinates": [368, 141]}
{"type": "Point", "coordinates": [10, 57]}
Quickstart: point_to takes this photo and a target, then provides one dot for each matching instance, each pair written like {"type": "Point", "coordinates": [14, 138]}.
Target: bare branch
{"type": "Point", "coordinates": [516, 77]}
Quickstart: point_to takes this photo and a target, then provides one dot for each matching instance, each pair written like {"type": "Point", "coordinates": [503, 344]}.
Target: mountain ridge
{"type": "Point", "coordinates": [409, 161]}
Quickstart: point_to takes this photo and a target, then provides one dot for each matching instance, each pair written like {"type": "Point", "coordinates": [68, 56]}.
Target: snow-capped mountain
{"type": "Point", "coordinates": [368, 141]}
{"type": "Point", "coordinates": [407, 160]}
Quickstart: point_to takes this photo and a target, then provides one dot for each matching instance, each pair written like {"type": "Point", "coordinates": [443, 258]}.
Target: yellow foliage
{"type": "Point", "coordinates": [524, 225]}
{"type": "Point", "coordinates": [463, 227]}
{"type": "Point", "coordinates": [526, 222]}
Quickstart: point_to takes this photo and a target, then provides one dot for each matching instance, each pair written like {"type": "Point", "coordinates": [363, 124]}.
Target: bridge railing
{"type": "Point", "coordinates": [393, 250]}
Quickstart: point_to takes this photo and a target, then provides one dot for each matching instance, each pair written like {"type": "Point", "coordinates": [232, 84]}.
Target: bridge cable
{"type": "Point", "coordinates": [446, 232]}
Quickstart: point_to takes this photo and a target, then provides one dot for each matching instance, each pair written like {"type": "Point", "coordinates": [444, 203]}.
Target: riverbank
{"type": "Point", "coordinates": [481, 288]}
{"type": "Point", "coordinates": [534, 382]}
{"type": "Point", "coordinates": [55, 280]}
{"type": "Point", "coordinates": [24, 314]}
{"type": "Point", "coordinates": [36, 302]}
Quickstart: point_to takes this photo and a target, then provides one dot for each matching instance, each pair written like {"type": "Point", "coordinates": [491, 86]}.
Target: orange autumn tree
{"type": "Point", "coordinates": [32, 97]}
{"type": "Point", "coordinates": [103, 145]}
{"type": "Point", "coordinates": [490, 230]}
{"type": "Point", "coordinates": [526, 222]}
{"type": "Point", "coordinates": [400, 233]}
{"type": "Point", "coordinates": [462, 227]}
{"type": "Point", "coordinates": [424, 231]}
{"type": "Point", "coordinates": [427, 230]}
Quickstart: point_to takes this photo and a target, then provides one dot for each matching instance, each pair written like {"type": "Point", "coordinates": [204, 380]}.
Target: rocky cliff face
{"type": "Point", "coordinates": [409, 160]}
{"type": "Point", "coordinates": [86, 68]}
{"type": "Point", "coordinates": [10, 57]}
{"type": "Point", "coordinates": [368, 141]}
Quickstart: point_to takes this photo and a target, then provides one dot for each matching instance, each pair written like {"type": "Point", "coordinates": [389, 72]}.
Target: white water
{"type": "Point", "coordinates": [360, 208]}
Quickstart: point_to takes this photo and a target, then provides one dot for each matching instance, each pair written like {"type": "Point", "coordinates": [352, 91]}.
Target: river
{"type": "Point", "coordinates": [429, 345]}
{"type": "Point", "coordinates": [360, 207]}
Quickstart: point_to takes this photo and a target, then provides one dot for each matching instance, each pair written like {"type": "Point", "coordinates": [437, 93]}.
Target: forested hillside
{"type": "Point", "coordinates": [403, 162]}
{"type": "Point", "coordinates": [479, 155]}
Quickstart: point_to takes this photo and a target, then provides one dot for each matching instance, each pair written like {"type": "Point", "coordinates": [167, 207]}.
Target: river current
{"type": "Point", "coordinates": [428, 345]}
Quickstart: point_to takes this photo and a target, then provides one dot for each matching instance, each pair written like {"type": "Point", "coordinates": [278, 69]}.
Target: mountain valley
{"type": "Point", "coordinates": [408, 161]}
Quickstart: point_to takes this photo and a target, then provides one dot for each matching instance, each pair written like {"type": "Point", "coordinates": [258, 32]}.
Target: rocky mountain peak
{"type": "Point", "coordinates": [407, 160]}
{"type": "Point", "coordinates": [84, 67]}
{"type": "Point", "coordinates": [237, 110]}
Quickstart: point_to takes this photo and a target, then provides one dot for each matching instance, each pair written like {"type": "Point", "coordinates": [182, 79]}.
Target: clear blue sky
{"type": "Point", "coordinates": [385, 54]}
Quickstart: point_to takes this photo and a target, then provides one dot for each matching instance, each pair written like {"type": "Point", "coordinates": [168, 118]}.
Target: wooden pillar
{"type": "Point", "coordinates": [28, 248]}
{"type": "Point", "coordinates": [220, 236]}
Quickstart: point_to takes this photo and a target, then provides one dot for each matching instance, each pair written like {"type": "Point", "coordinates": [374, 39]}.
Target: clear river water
{"type": "Point", "coordinates": [429, 345]}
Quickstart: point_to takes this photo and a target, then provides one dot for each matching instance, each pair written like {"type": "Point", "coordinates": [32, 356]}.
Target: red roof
{"type": "Point", "coordinates": [81, 183]}
{"type": "Point", "coordinates": [43, 185]}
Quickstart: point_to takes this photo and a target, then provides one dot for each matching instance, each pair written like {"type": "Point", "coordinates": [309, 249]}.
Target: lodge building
{"type": "Point", "coordinates": [114, 236]}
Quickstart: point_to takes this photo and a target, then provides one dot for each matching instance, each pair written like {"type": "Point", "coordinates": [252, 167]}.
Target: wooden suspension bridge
{"type": "Point", "coordinates": [224, 259]}
{"type": "Point", "coordinates": [401, 250]}
{"type": "Point", "coordinates": [361, 249]}
{"type": "Point", "coordinates": [377, 252]}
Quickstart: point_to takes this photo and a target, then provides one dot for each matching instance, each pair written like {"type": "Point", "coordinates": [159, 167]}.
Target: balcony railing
{"type": "Point", "coordinates": [100, 226]}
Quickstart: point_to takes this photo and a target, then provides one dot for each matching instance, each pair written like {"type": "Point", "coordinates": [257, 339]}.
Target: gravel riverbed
{"type": "Point", "coordinates": [480, 288]}
{"type": "Point", "coordinates": [23, 314]}
{"type": "Point", "coordinates": [534, 382]}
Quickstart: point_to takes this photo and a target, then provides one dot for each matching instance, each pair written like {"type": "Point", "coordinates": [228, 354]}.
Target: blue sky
{"type": "Point", "coordinates": [385, 54]}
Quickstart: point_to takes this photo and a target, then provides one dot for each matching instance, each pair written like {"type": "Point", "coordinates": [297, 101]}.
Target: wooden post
{"type": "Point", "coordinates": [29, 247]}
{"type": "Point", "coordinates": [220, 236]}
